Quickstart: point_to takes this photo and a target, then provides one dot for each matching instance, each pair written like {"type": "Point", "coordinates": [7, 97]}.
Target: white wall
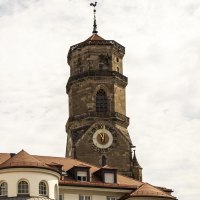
{"type": "Point", "coordinates": [147, 198]}
{"type": "Point", "coordinates": [33, 177]}
{"type": "Point", "coordinates": [76, 197]}
{"type": "Point", "coordinates": [95, 193]}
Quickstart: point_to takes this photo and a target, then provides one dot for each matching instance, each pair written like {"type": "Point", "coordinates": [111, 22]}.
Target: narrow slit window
{"type": "Point", "coordinates": [103, 160]}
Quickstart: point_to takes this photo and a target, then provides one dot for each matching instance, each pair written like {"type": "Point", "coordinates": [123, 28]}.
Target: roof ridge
{"type": "Point", "coordinates": [71, 159]}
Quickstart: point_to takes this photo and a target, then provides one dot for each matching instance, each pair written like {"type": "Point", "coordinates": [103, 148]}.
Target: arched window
{"type": "Point", "coordinates": [101, 101]}
{"type": "Point", "coordinates": [23, 188]}
{"type": "Point", "coordinates": [3, 189]}
{"type": "Point", "coordinates": [43, 190]}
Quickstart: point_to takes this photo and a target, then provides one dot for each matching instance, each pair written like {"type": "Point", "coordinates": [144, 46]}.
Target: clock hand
{"type": "Point", "coordinates": [102, 136]}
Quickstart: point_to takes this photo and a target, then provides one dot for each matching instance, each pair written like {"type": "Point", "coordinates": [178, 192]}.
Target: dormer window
{"type": "Point", "coordinates": [109, 177]}
{"type": "Point", "coordinates": [107, 174]}
{"type": "Point", "coordinates": [82, 175]}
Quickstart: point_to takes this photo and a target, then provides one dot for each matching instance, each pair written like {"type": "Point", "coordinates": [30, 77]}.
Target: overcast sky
{"type": "Point", "coordinates": [162, 62]}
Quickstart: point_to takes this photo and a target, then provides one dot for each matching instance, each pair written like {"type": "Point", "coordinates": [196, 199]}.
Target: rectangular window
{"type": "Point", "coordinates": [111, 198]}
{"type": "Point", "coordinates": [109, 177]}
{"type": "Point", "coordinates": [81, 175]}
{"type": "Point", "coordinates": [60, 197]}
{"type": "Point", "coordinates": [84, 197]}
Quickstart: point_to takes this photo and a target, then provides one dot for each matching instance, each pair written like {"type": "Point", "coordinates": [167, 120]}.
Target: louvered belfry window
{"type": "Point", "coordinates": [101, 101]}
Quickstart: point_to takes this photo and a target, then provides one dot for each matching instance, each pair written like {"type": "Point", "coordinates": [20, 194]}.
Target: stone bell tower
{"type": "Point", "coordinates": [97, 125]}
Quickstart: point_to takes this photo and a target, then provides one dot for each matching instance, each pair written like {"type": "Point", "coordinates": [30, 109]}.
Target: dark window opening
{"type": "Point", "coordinates": [90, 67]}
{"type": "Point", "coordinates": [82, 175]}
{"type": "Point", "coordinates": [101, 101]}
{"type": "Point", "coordinates": [103, 160]}
{"type": "Point", "coordinates": [101, 66]}
{"type": "Point", "coordinates": [80, 69]}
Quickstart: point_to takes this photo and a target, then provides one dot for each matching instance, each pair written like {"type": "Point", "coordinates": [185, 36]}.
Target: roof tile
{"type": "Point", "coordinates": [23, 159]}
{"type": "Point", "coordinates": [148, 190]}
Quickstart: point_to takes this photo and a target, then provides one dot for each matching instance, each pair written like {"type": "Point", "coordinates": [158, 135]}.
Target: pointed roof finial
{"type": "Point", "coordinates": [94, 25]}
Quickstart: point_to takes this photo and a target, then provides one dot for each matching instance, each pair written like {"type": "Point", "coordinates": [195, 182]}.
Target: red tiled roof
{"type": "Point", "coordinates": [139, 188]}
{"type": "Point", "coordinates": [149, 190]}
{"type": "Point", "coordinates": [68, 163]}
{"type": "Point", "coordinates": [4, 157]}
{"type": "Point", "coordinates": [23, 159]}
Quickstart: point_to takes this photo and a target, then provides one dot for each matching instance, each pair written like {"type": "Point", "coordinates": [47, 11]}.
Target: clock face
{"type": "Point", "coordinates": [103, 137]}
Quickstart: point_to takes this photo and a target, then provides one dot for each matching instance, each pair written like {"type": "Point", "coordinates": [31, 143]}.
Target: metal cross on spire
{"type": "Point", "coordinates": [94, 25]}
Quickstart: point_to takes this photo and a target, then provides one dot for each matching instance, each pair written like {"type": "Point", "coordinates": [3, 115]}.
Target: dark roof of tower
{"type": "Point", "coordinates": [23, 159]}
{"type": "Point", "coordinates": [135, 161]}
{"type": "Point", "coordinates": [95, 37]}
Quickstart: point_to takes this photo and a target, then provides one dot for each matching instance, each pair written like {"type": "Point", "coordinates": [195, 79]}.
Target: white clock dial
{"type": "Point", "coordinates": [102, 138]}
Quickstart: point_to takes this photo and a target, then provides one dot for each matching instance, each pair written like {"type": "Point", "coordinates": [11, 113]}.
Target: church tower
{"type": "Point", "coordinates": [97, 125]}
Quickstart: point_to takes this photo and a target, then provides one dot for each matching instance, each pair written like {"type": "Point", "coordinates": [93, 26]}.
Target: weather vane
{"type": "Point", "coordinates": [95, 25]}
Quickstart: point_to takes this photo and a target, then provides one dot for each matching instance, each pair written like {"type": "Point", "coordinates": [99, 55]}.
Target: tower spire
{"type": "Point", "coordinates": [95, 24]}
{"type": "Point", "coordinates": [135, 161]}
{"type": "Point", "coordinates": [137, 169]}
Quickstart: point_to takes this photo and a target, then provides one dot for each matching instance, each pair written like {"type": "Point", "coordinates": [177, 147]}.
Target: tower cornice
{"type": "Point", "coordinates": [78, 46]}
{"type": "Point", "coordinates": [117, 77]}
{"type": "Point", "coordinates": [90, 116]}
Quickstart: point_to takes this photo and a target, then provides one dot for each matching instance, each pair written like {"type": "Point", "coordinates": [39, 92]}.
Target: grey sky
{"type": "Point", "coordinates": [162, 40]}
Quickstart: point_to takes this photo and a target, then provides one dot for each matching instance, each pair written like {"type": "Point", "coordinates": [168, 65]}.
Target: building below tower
{"type": "Point", "coordinates": [34, 177]}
